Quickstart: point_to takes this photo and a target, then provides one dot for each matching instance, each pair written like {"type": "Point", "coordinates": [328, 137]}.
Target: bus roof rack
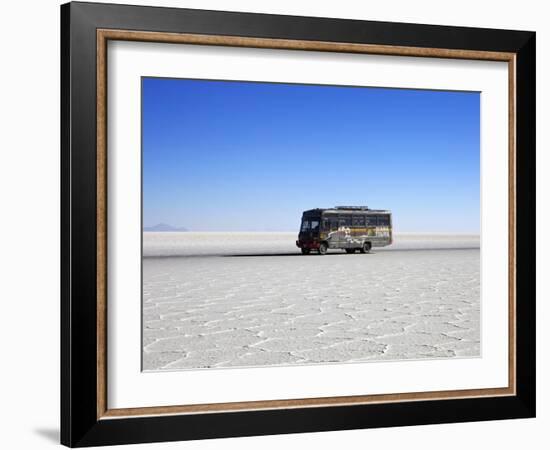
{"type": "Point", "coordinates": [358, 208]}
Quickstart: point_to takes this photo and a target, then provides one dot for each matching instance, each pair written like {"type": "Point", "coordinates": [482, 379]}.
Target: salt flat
{"type": "Point", "coordinates": [250, 299]}
{"type": "Point", "coordinates": [242, 243]}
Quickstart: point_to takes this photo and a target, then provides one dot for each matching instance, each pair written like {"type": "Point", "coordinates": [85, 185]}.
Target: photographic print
{"type": "Point", "coordinates": [293, 207]}
{"type": "Point", "coordinates": [291, 224]}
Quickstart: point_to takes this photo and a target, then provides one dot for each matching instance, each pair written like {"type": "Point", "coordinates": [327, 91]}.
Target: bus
{"type": "Point", "coordinates": [350, 228]}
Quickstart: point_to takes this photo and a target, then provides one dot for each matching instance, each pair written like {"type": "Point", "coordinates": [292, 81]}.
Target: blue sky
{"type": "Point", "coordinates": [242, 156]}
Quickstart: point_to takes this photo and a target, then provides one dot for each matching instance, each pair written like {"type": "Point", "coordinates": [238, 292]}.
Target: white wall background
{"type": "Point", "coordinates": [29, 224]}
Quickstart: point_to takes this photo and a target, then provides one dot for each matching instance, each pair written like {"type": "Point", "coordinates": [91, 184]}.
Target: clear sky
{"type": "Point", "coordinates": [243, 156]}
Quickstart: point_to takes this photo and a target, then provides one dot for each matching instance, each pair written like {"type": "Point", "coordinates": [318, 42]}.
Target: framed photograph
{"type": "Point", "coordinates": [276, 224]}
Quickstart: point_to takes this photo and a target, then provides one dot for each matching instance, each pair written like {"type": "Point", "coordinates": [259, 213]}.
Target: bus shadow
{"type": "Point", "coordinates": [263, 255]}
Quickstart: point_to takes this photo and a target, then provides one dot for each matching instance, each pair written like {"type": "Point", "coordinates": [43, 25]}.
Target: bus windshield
{"type": "Point", "coordinates": [311, 224]}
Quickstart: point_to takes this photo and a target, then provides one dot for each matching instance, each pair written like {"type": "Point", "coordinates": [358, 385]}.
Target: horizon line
{"type": "Point", "coordinates": [296, 231]}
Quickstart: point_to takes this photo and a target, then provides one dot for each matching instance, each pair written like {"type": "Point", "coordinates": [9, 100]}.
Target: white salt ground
{"type": "Point", "coordinates": [206, 305]}
{"type": "Point", "coordinates": [218, 243]}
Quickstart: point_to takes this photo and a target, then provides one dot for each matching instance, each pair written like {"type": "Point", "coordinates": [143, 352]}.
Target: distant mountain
{"type": "Point", "coordinates": [164, 227]}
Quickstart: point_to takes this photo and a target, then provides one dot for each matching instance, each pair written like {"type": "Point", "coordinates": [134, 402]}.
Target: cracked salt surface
{"type": "Point", "coordinates": [214, 310]}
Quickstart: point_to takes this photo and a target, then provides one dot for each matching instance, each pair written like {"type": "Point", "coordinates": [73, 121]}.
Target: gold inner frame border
{"type": "Point", "coordinates": [103, 36]}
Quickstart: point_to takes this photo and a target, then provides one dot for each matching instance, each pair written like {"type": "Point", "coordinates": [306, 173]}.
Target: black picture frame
{"type": "Point", "coordinates": [80, 425]}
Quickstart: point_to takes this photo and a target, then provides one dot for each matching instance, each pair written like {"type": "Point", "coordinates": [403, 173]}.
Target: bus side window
{"type": "Point", "coordinates": [383, 220]}
{"type": "Point", "coordinates": [326, 224]}
{"type": "Point", "coordinates": [371, 221]}
{"type": "Point", "coordinates": [344, 221]}
{"type": "Point", "coordinates": [358, 221]}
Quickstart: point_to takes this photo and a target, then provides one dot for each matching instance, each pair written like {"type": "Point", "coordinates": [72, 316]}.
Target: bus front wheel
{"type": "Point", "coordinates": [366, 247]}
{"type": "Point", "coordinates": [323, 248]}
